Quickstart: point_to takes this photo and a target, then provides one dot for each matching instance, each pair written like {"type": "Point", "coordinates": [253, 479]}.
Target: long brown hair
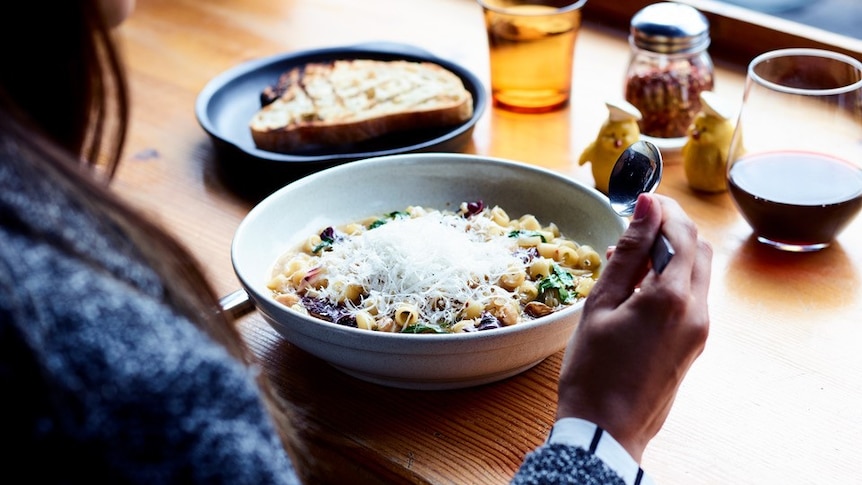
{"type": "Point", "coordinates": [66, 101]}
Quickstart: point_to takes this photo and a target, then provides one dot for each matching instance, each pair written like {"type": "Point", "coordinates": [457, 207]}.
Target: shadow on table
{"type": "Point", "coordinates": [827, 275]}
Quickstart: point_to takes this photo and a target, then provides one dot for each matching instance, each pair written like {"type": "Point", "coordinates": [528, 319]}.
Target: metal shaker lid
{"type": "Point", "coordinates": [669, 28]}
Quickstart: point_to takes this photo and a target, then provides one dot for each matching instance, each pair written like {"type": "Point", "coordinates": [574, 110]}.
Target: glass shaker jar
{"type": "Point", "coordinates": [668, 69]}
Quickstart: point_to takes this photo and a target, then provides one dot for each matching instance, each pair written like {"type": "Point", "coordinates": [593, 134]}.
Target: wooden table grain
{"type": "Point", "coordinates": [775, 398]}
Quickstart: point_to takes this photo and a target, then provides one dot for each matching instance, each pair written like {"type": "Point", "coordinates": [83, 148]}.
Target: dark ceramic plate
{"type": "Point", "coordinates": [227, 103]}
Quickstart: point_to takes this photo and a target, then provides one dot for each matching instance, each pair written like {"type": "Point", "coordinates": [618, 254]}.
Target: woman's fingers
{"type": "Point", "coordinates": [630, 257]}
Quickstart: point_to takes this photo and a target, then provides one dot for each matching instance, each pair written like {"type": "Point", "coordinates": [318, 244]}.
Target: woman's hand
{"type": "Point", "coordinates": [640, 331]}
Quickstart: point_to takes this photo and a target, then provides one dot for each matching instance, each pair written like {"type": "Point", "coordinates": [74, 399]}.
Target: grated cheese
{"type": "Point", "coordinates": [436, 262]}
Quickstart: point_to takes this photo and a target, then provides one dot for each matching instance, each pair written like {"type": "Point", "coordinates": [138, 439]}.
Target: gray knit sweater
{"type": "Point", "coordinates": [564, 465]}
{"type": "Point", "coordinates": [101, 381]}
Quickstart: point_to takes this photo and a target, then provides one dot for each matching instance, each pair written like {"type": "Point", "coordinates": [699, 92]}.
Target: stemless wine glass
{"type": "Point", "coordinates": [795, 160]}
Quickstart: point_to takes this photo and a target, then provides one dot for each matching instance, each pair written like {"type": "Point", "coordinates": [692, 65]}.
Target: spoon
{"type": "Point", "coordinates": [637, 171]}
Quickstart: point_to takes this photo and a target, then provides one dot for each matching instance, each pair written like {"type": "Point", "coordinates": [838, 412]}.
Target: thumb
{"type": "Point", "coordinates": [631, 256]}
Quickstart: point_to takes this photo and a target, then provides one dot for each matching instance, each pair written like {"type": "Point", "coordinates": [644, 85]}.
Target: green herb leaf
{"type": "Point", "coordinates": [424, 328]}
{"type": "Point", "coordinates": [522, 233]}
{"type": "Point", "coordinates": [560, 281]}
{"type": "Point", "coordinates": [327, 238]}
{"type": "Point", "coordinates": [388, 217]}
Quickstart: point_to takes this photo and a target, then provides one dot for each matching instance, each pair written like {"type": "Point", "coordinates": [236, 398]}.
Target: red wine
{"type": "Point", "coordinates": [796, 198]}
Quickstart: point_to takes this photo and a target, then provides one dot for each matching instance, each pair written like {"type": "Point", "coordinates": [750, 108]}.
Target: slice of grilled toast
{"type": "Point", "coordinates": [349, 101]}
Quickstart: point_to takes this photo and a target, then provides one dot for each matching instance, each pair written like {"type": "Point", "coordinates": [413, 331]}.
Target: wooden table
{"type": "Point", "coordinates": [775, 398]}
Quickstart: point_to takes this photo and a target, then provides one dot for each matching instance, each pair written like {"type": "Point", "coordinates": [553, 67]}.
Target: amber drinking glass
{"type": "Point", "coordinates": [531, 46]}
{"type": "Point", "coordinates": [795, 161]}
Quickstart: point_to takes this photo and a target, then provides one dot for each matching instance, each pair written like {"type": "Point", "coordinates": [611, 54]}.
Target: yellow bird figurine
{"type": "Point", "coordinates": [704, 155]}
{"type": "Point", "coordinates": [616, 134]}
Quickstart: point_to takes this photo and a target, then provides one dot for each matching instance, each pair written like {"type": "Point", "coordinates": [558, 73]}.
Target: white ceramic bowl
{"type": "Point", "coordinates": [356, 190]}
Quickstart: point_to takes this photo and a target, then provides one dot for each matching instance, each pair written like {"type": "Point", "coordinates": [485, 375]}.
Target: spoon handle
{"type": "Point", "coordinates": [236, 304]}
{"type": "Point", "coordinates": [661, 253]}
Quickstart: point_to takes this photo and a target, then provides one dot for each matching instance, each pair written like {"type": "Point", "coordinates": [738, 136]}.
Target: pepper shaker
{"type": "Point", "coordinates": [668, 69]}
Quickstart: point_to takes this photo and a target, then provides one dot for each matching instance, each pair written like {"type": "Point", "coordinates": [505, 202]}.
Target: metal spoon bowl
{"type": "Point", "coordinates": [638, 170]}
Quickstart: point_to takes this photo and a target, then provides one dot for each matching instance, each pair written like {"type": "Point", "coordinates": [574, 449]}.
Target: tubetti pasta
{"type": "Point", "coordinates": [424, 270]}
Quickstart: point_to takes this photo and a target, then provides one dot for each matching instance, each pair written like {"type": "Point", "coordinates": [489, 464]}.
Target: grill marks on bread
{"type": "Point", "coordinates": [354, 100]}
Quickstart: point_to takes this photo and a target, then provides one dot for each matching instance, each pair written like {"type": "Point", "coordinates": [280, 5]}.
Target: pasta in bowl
{"type": "Point", "coordinates": [424, 271]}
{"type": "Point", "coordinates": [394, 270]}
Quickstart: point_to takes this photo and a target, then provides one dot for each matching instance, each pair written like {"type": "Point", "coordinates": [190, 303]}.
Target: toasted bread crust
{"type": "Point", "coordinates": [355, 100]}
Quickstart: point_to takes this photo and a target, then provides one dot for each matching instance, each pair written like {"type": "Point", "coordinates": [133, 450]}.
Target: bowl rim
{"type": "Point", "coordinates": [264, 304]}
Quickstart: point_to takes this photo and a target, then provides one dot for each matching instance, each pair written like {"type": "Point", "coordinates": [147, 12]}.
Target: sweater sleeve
{"type": "Point", "coordinates": [579, 451]}
{"type": "Point", "coordinates": [559, 464]}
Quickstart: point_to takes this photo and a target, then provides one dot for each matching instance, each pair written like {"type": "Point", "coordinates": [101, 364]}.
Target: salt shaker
{"type": "Point", "coordinates": [668, 69]}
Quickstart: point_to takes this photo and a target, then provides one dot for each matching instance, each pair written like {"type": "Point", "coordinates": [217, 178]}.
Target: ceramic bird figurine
{"type": "Point", "coordinates": [615, 135]}
{"type": "Point", "coordinates": [704, 155]}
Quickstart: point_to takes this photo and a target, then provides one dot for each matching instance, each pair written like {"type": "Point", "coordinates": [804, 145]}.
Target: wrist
{"type": "Point", "coordinates": [634, 447]}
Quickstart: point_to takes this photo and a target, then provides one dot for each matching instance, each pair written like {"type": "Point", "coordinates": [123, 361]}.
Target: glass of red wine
{"type": "Point", "coordinates": [795, 160]}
